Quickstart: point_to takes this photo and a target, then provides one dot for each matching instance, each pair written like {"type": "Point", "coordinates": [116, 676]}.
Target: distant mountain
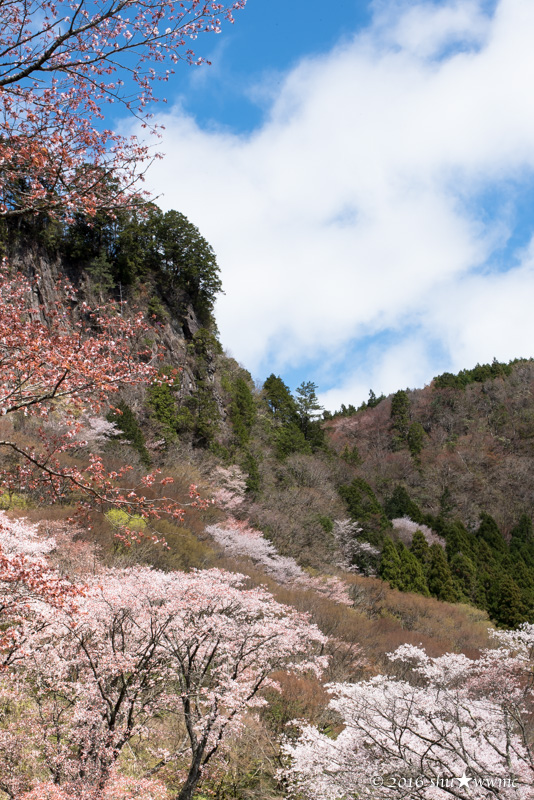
{"type": "Point", "coordinates": [464, 449]}
{"type": "Point", "coordinates": [458, 457]}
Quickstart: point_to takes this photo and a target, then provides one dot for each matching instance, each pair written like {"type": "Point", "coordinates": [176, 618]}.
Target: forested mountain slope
{"type": "Point", "coordinates": [459, 449]}
{"type": "Point", "coordinates": [457, 456]}
{"type": "Point", "coordinates": [353, 521]}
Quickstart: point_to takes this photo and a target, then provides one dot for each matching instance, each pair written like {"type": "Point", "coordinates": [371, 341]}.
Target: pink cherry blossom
{"type": "Point", "coordinates": [142, 644]}
{"type": "Point", "coordinates": [451, 722]}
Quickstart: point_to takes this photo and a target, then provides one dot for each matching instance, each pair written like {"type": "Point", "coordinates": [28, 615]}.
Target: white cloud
{"type": "Point", "coordinates": [352, 210]}
{"type": "Point", "coordinates": [428, 30]}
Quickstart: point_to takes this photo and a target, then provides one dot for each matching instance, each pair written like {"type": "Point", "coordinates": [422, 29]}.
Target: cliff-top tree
{"type": "Point", "coordinates": [186, 261]}
{"type": "Point", "coordinates": [61, 64]}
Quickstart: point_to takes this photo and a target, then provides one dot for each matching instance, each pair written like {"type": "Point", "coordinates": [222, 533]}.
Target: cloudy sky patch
{"type": "Point", "coordinates": [373, 222]}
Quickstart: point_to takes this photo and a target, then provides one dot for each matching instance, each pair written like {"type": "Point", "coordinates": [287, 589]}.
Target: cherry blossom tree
{"type": "Point", "coordinates": [356, 555]}
{"type": "Point", "coordinates": [452, 727]}
{"type": "Point", "coordinates": [225, 642]}
{"type": "Point", "coordinates": [143, 645]}
{"type": "Point", "coordinates": [28, 587]}
{"type": "Point", "coordinates": [61, 64]}
{"type": "Point", "coordinates": [57, 368]}
{"type": "Point", "coordinates": [239, 539]}
{"type": "Point", "coordinates": [405, 528]}
{"type": "Point", "coordinates": [232, 485]}
{"type": "Point", "coordinates": [30, 591]}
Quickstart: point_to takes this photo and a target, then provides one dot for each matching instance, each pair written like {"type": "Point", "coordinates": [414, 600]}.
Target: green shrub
{"type": "Point", "coordinates": [11, 500]}
{"type": "Point", "coordinates": [121, 519]}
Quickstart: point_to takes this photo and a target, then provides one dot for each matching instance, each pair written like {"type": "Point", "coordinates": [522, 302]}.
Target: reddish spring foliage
{"type": "Point", "coordinates": [120, 787]}
{"type": "Point", "coordinates": [58, 372]}
{"type": "Point", "coordinates": [59, 69]}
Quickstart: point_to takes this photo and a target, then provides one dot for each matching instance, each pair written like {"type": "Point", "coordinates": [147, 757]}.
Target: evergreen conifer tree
{"type": "Point", "coordinates": [365, 509]}
{"type": "Point", "coordinates": [400, 418]}
{"type": "Point", "coordinates": [439, 578]}
{"type": "Point", "coordinates": [459, 540]}
{"type": "Point", "coordinates": [412, 575]}
{"type": "Point", "coordinates": [505, 604]}
{"type": "Point", "coordinates": [187, 262]}
{"type": "Point", "coordinates": [390, 565]}
{"type": "Point", "coordinates": [420, 549]}
{"type": "Point", "coordinates": [279, 400]}
{"type": "Point", "coordinates": [124, 418]}
{"type": "Point", "coordinates": [446, 504]}
{"type": "Point", "coordinates": [416, 439]}
{"type": "Point", "coordinates": [464, 576]}
{"type": "Point", "coordinates": [489, 532]}
{"type": "Point", "coordinates": [522, 540]}
{"type": "Point", "coordinates": [524, 578]}
{"type": "Point", "coordinates": [242, 410]}
{"type": "Point", "coordinates": [309, 411]}
{"type": "Point", "coordinates": [287, 436]}
{"type": "Point", "coordinates": [400, 504]}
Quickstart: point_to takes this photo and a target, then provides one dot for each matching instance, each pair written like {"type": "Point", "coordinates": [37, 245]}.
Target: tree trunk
{"type": "Point", "coordinates": [188, 789]}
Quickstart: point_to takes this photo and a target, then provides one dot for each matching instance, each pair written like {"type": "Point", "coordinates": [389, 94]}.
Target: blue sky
{"type": "Point", "coordinates": [365, 174]}
{"type": "Point", "coordinates": [267, 39]}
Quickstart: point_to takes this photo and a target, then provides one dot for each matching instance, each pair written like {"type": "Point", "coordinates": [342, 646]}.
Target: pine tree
{"type": "Point", "coordinates": [464, 575]}
{"type": "Point", "coordinates": [459, 540]}
{"type": "Point", "coordinates": [439, 579]}
{"type": "Point", "coordinates": [522, 533]}
{"type": "Point", "coordinates": [242, 410]}
{"type": "Point", "coordinates": [290, 439]}
{"type": "Point", "coordinates": [365, 509]}
{"type": "Point", "coordinates": [373, 400]}
{"type": "Point", "coordinates": [420, 549]}
{"type": "Point", "coordinates": [309, 411]}
{"type": "Point", "coordinates": [412, 575]}
{"type": "Point", "coordinates": [390, 565]}
{"type": "Point", "coordinates": [124, 418]}
{"type": "Point", "coordinates": [400, 504]}
{"type": "Point", "coordinates": [287, 436]}
{"type": "Point", "coordinates": [524, 578]}
{"type": "Point", "coordinates": [161, 401]}
{"type": "Point", "coordinates": [253, 481]}
{"type": "Point", "coordinates": [279, 400]}
{"type": "Point", "coordinates": [416, 438]}
{"type": "Point", "coordinates": [400, 417]}
{"type": "Point", "coordinates": [351, 455]}
{"type": "Point", "coordinates": [506, 606]}
{"type": "Point", "coordinates": [489, 532]}
{"type": "Point", "coordinates": [522, 540]}
{"type": "Point", "coordinates": [446, 504]}
{"type": "Point", "coordinates": [187, 262]}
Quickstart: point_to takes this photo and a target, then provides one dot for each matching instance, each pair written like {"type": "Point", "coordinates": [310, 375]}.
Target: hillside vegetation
{"type": "Point", "coordinates": [430, 489]}
{"type": "Point", "coordinates": [407, 522]}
